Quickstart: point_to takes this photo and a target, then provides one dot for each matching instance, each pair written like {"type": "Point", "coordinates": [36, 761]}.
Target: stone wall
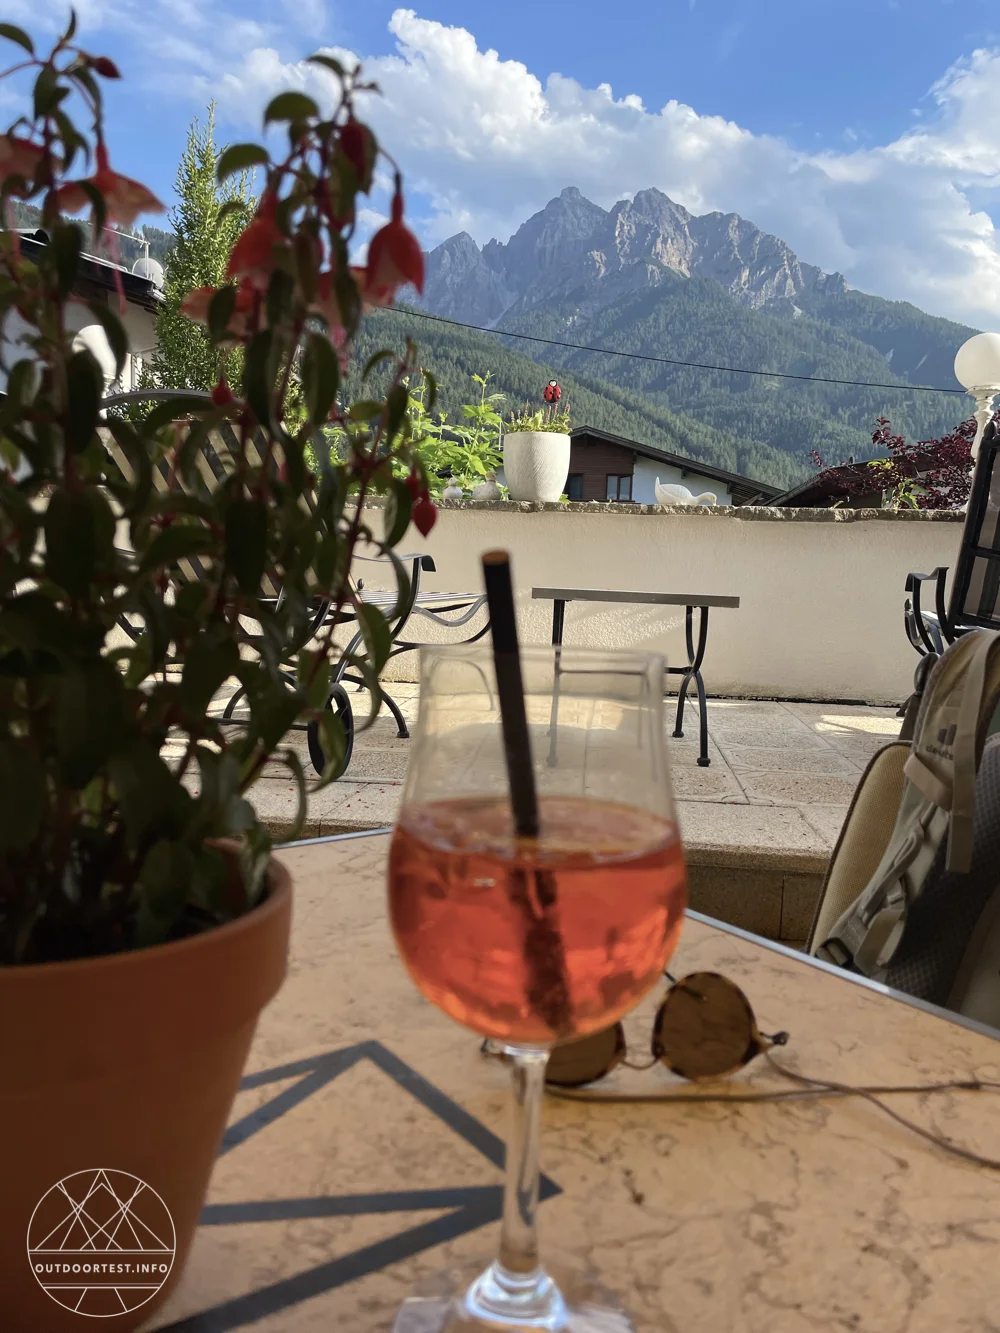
{"type": "Point", "coordinates": [821, 590]}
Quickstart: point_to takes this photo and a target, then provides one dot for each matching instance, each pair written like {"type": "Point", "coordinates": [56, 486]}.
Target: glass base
{"type": "Point", "coordinates": [570, 1303]}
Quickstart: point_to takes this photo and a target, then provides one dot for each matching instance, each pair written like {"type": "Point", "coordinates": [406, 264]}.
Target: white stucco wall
{"type": "Point", "coordinates": [139, 328]}
{"type": "Point", "coordinates": [646, 472]}
{"type": "Point", "coordinates": [821, 590]}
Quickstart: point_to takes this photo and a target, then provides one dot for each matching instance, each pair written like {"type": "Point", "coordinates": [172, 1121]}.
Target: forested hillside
{"type": "Point", "coordinates": [696, 319]}
{"type": "Point", "coordinates": [454, 355]}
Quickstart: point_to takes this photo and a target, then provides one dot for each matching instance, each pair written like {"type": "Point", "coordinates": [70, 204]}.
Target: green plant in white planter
{"type": "Point", "coordinates": [143, 923]}
{"type": "Point", "coordinates": [536, 448]}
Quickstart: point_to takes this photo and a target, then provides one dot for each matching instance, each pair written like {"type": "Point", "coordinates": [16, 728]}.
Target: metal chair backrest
{"type": "Point", "coordinates": [216, 460]}
{"type": "Point", "coordinates": [975, 591]}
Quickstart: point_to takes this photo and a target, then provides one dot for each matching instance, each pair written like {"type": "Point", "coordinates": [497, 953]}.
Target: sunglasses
{"type": "Point", "coordinates": [704, 1028]}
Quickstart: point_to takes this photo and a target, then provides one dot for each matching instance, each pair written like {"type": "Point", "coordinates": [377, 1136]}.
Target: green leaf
{"type": "Point", "coordinates": [239, 157]}
{"type": "Point", "coordinates": [209, 877]}
{"type": "Point", "coordinates": [178, 542]}
{"type": "Point", "coordinates": [375, 628]}
{"type": "Point", "coordinates": [84, 389]}
{"type": "Point", "coordinates": [73, 142]}
{"type": "Point", "coordinates": [18, 35]}
{"type": "Point", "coordinates": [237, 205]}
{"type": "Point", "coordinates": [114, 331]}
{"type": "Point", "coordinates": [162, 890]}
{"type": "Point", "coordinates": [398, 507]}
{"type": "Point", "coordinates": [333, 738]}
{"type": "Point", "coordinates": [65, 246]}
{"type": "Point", "coordinates": [21, 383]}
{"type": "Point", "coordinates": [97, 200]}
{"type": "Point", "coordinates": [365, 409]}
{"type": "Point", "coordinates": [137, 458]}
{"type": "Point", "coordinates": [174, 409]}
{"type": "Point", "coordinates": [328, 62]}
{"type": "Point", "coordinates": [104, 526]}
{"type": "Point", "coordinates": [376, 359]}
{"type": "Point", "coordinates": [35, 624]}
{"type": "Point", "coordinates": [70, 541]}
{"type": "Point", "coordinates": [246, 543]}
{"type": "Point", "coordinates": [292, 762]}
{"type": "Point", "coordinates": [371, 682]}
{"type": "Point", "coordinates": [402, 584]}
{"type": "Point", "coordinates": [150, 796]}
{"type": "Point", "coordinates": [45, 94]}
{"type": "Point", "coordinates": [89, 719]}
{"type": "Point", "coordinates": [313, 671]}
{"type": "Point", "coordinates": [23, 795]}
{"type": "Point", "coordinates": [208, 663]}
{"type": "Point", "coordinates": [397, 403]}
{"type": "Point", "coordinates": [280, 294]}
{"type": "Point", "coordinates": [259, 370]}
{"type": "Point", "coordinates": [320, 376]}
{"type": "Point", "coordinates": [274, 713]}
{"type": "Point", "coordinates": [220, 312]}
{"type": "Point", "coordinates": [290, 106]}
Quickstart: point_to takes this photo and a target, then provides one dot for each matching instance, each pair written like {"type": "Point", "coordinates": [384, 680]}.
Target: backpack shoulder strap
{"type": "Point", "coordinates": [938, 802]}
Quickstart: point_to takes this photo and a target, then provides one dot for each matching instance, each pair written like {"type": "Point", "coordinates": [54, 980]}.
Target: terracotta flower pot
{"type": "Point", "coordinates": [536, 464]}
{"type": "Point", "coordinates": [122, 1064]}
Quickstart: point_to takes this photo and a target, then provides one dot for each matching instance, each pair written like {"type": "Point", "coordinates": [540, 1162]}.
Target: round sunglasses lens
{"type": "Point", "coordinates": [578, 1062]}
{"type": "Point", "coordinates": [705, 1027]}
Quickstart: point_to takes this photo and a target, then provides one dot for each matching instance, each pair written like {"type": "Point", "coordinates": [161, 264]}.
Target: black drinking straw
{"type": "Point", "coordinates": [548, 988]}
{"type": "Point", "coordinates": [510, 688]}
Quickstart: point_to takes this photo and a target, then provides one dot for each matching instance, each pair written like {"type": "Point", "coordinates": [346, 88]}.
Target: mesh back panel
{"type": "Point", "coordinates": [941, 921]}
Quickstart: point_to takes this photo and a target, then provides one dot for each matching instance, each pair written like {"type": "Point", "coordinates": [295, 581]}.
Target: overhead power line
{"type": "Point", "coordinates": [671, 361]}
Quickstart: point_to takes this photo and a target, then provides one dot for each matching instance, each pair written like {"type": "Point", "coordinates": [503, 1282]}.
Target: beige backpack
{"type": "Point", "coordinates": [912, 896]}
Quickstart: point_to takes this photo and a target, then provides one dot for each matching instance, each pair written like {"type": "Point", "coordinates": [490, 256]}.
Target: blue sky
{"type": "Point", "coordinates": [799, 68]}
{"type": "Point", "coordinates": [866, 133]}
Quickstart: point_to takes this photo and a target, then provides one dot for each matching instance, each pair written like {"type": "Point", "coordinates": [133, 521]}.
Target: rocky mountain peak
{"type": "Point", "coordinates": [575, 248]}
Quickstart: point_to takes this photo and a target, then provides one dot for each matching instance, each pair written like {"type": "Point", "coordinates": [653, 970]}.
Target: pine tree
{"type": "Point", "coordinates": [184, 358]}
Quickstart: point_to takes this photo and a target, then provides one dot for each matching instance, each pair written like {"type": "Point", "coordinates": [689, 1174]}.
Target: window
{"type": "Point", "coordinates": [619, 488]}
{"type": "Point", "coordinates": [574, 486]}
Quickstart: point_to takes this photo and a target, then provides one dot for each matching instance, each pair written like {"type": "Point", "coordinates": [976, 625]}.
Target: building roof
{"type": "Point", "coordinates": [832, 484]}
{"type": "Point", "coordinates": [744, 489]}
{"type": "Point", "coordinates": [142, 291]}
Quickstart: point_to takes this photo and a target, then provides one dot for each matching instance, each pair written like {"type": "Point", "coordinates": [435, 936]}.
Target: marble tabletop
{"type": "Point", "coordinates": [364, 1153]}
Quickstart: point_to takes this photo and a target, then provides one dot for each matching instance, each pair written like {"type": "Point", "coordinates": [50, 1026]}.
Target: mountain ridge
{"type": "Point", "coordinates": [652, 280]}
{"type": "Point", "coordinates": [572, 239]}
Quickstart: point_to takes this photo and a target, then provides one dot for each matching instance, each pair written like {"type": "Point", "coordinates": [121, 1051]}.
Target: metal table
{"type": "Point", "coordinates": [691, 602]}
{"type": "Point", "coordinates": [365, 1152]}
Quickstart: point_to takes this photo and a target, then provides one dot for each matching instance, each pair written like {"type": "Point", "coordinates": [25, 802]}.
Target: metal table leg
{"type": "Point", "coordinates": [558, 622]}
{"type": "Point", "coordinates": [692, 672]}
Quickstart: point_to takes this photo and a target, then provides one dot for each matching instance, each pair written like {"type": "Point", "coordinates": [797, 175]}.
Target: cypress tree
{"type": "Point", "coordinates": [184, 358]}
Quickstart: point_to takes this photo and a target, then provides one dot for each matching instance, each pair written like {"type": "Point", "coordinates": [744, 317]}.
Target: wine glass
{"type": "Point", "coordinates": [534, 941]}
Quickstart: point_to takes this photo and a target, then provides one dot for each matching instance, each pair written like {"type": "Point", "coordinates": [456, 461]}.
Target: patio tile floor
{"type": "Point", "coordinates": [759, 824]}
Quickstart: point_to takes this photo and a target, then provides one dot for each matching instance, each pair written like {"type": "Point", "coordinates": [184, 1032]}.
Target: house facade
{"type": "Point", "coordinates": [142, 286]}
{"type": "Point", "coordinates": [608, 467]}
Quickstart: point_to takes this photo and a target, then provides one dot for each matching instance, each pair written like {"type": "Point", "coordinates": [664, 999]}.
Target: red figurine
{"type": "Point", "coordinates": [552, 392]}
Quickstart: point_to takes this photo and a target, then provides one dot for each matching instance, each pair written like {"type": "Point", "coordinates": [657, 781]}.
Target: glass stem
{"type": "Point", "coordinates": [519, 1232]}
{"type": "Point", "coordinates": [515, 1290]}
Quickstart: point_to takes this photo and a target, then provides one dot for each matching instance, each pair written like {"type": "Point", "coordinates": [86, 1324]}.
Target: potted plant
{"type": "Point", "coordinates": [143, 920]}
{"type": "Point", "coordinates": [536, 449]}
{"type": "Point", "coordinates": [456, 455]}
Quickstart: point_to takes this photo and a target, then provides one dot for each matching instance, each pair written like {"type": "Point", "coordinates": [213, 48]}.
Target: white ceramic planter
{"type": "Point", "coordinates": [536, 464]}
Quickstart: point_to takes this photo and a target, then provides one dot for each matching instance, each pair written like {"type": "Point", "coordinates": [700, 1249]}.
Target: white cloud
{"type": "Point", "coordinates": [486, 143]}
